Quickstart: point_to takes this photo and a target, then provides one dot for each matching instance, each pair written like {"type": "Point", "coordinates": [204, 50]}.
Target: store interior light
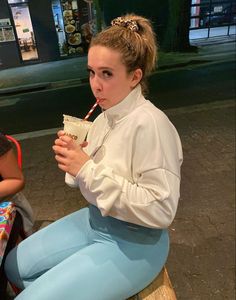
{"type": "Point", "coordinates": [16, 1]}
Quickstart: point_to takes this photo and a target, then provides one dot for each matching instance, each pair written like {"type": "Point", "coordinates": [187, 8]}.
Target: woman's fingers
{"type": "Point", "coordinates": [62, 151]}
{"type": "Point", "coordinates": [62, 167]}
{"type": "Point", "coordinates": [68, 141]}
{"type": "Point", "coordinates": [64, 141]}
{"type": "Point", "coordinates": [60, 142]}
{"type": "Point", "coordinates": [62, 162]}
{"type": "Point", "coordinates": [60, 159]}
{"type": "Point", "coordinates": [69, 155]}
{"type": "Point", "coordinates": [60, 133]}
{"type": "Point", "coordinates": [84, 144]}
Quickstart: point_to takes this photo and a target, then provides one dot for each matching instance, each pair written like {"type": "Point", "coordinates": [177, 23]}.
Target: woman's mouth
{"type": "Point", "coordinates": [99, 100]}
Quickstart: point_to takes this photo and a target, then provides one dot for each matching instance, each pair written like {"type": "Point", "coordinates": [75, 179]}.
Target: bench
{"type": "Point", "coordinates": [160, 289]}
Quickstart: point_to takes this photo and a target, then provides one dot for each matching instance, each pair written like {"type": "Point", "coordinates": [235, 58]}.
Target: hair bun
{"type": "Point", "coordinates": [127, 23]}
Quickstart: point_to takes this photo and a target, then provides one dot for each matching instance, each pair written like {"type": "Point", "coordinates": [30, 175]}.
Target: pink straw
{"type": "Point", "coordinates": [91, 110]}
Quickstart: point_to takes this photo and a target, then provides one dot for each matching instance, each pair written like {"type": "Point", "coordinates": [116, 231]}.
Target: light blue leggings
{"type": "Point", "coordinates": [85, 256]}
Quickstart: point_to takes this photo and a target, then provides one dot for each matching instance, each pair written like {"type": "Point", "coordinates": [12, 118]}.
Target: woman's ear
{"type": "Point", "coordinates": [136, 78]}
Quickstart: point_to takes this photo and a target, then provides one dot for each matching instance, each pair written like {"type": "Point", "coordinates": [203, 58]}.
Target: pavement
{"type": "Point", "coordinates": [201, 263]}
{"type": "Point", "coordinates": [202, 251]}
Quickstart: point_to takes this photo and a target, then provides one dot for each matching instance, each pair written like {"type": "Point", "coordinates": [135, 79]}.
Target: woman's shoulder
{"type": "Point", "coordinates": [149, 118]}
{"type": "Point", "coordinates": [150, 113]}
{"type": "Point", "coordinates": [5, 145]}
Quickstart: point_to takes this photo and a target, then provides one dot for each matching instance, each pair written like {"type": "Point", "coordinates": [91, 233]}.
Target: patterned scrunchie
{"type": "Point", "coordinates": [130, 24]}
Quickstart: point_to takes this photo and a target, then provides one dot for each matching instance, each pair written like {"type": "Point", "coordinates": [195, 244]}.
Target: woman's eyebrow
{"type": "Point", "coordinates": [100, 68]}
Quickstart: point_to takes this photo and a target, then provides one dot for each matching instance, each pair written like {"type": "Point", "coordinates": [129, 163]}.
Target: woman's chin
{"type": "Point", "coordinates": [102, 105]}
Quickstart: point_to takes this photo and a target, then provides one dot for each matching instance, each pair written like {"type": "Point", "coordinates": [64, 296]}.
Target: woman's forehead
{"type": "Point", "coordinates": [104, 56]}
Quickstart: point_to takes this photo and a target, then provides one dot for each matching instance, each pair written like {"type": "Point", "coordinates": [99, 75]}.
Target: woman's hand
{"type": "Point", "coordinates": [69, 155]}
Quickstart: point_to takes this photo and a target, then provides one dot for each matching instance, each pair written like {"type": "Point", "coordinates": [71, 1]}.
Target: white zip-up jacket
{"type": "Point", "coordinates": [134, 171]}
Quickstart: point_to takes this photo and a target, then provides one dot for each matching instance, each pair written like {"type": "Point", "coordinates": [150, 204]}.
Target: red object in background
{"type": "Point", "coordinates": [18, 148]}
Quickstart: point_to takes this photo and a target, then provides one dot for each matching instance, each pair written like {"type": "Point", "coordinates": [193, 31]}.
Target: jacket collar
{"type": "Point", "coordinates": [125, 107]}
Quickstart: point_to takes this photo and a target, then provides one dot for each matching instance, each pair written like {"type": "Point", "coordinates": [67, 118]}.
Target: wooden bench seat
{"type": "Point", "coordinates": [160, 289]}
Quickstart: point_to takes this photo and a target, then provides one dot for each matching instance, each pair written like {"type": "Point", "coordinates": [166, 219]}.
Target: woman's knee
{"type": "Point", "coordinates": [12, 269]}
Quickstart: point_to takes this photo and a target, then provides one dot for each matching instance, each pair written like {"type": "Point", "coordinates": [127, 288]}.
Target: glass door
{"type": "Point", "coordinates": [59, 25]}
{"type": "Point", "coordinates": [24, 30]}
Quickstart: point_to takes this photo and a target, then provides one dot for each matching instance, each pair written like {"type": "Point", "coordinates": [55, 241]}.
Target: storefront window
{"type": "Point", "coordinates": [24, 29]}
{"type": "Point", "coordinates": [75, 25]}
{"type": "Point", "coordinates": [211, 18]}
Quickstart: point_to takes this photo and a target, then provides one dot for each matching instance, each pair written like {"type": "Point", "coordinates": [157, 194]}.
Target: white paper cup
{"type": "Point", "coordinates": [76, 128]}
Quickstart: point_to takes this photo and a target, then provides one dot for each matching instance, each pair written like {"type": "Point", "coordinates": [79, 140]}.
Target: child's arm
{"type": "Point", "coordinates": [12, 177]}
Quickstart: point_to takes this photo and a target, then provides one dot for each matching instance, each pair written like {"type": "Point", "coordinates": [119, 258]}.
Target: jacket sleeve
{"type": "Point", "coordinates": [151, 199]}
{"type": "Point", "coordinates": [140, 204]}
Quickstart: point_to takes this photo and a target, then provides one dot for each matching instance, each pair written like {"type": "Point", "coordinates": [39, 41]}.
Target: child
{"type": "Point", "coordinates": [12, 183]}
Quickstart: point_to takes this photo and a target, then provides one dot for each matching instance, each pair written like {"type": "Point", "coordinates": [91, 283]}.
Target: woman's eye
{"type": "Point", "coordinates": [90, 72]}
{"type": "Point", "coordinates": [106, 74]}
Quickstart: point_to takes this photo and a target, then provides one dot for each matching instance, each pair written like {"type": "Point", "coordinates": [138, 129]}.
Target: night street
{"type": "Point", "coordinates": [43, 109]}
{"type": "Point", "coordinates": [174, 173]}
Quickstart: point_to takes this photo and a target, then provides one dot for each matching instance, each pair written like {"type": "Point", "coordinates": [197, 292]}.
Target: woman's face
{"type": "Point", "coordinates": [109, 80]}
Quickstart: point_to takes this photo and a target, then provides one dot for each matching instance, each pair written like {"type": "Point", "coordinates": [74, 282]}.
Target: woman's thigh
{"type": "Point", "coordinates": [101, 271]}
{"type": "Point", "coordinates": [47, 247]}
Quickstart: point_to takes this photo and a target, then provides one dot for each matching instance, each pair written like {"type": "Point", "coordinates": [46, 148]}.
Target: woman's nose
{"type": "Point", "coordinates": [96, 83]}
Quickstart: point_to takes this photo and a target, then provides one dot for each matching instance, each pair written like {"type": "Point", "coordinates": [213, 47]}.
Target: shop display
{"type": "Point", "coordinates": [6, 31]}
{"type": "Point", "coordinates": [78, 20]}
{"type": "Point", "coordinates": [72, 44]}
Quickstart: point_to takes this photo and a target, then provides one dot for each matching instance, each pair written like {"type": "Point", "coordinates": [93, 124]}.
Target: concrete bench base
{"type": "Point", "coordinates": [160, 289]}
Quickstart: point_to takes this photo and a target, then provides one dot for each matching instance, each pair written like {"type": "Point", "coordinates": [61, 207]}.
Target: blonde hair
{"type": "Point", "coordinates": [134, 38]}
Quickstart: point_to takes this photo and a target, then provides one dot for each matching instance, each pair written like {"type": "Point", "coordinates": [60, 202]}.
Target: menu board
{"type": "Point", "coordinates": [6, 31]}
{"type": "Point", "coordinates": [77, 29]}
{"type": "Point", "coordinates": [72, 28]}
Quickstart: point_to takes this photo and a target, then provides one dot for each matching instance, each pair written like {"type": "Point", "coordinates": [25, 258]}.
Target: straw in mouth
{"type": "Point", "coordinates": [91, 110]}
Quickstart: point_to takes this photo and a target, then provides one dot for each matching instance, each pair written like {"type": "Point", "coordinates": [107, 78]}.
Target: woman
{"type": "Point", "coordinates": [129, 172]}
